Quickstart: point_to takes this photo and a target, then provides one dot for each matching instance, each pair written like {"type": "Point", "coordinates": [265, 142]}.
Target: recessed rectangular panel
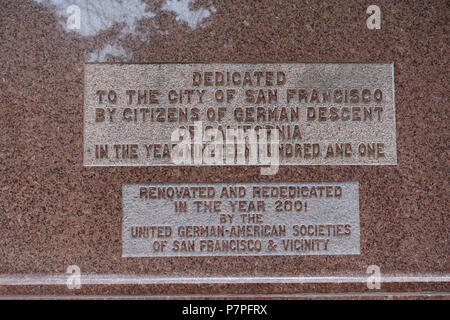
{"type": "Point", "coordinates": [257, 219]}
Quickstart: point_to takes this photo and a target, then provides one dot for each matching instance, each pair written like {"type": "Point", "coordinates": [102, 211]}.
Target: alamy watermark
{"type": "Point", "coordinates": [374, 20]}
{"type": "Point", "coordinates": [374, 280]}
{"type": "Point", "coordinates": [74, 279]}
{"type": "Point", "coordinates": [74, 17]}
{"type": "Point", "coordinates": [231, 146]}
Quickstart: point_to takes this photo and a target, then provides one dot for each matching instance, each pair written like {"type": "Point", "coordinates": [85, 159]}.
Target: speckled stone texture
{"type": "Point", "coordinates": [54, 212]}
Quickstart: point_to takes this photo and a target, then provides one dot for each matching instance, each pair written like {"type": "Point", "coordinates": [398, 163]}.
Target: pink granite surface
{"type": "Point", "coordinates": [54, 212]}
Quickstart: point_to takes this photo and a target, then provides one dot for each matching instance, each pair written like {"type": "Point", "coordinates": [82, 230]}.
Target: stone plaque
{"type": "Point", "coordinates": [240, 219]}
{"type": "Point", "coordinates": [324, 113]}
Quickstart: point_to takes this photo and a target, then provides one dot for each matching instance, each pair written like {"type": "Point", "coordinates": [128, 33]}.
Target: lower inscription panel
{"type": "Point", "coordinates": [162, 220]}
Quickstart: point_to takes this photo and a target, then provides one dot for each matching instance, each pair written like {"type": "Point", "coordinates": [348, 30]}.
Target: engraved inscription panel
{"type": "Point", "coordinates": [161, 220]}
{"type": "Point", "coordinates": [325, 113]}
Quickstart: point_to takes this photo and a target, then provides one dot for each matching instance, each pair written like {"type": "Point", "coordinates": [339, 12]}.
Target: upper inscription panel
{"type": "Point", "coordinates": [201, 114]}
